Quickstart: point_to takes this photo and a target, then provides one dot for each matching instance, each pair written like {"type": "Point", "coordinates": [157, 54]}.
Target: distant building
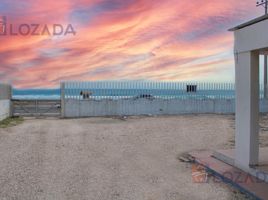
{"type": "Point", "coordinates": [191, 88]}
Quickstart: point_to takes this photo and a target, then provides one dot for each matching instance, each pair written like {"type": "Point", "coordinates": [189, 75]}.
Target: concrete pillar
{"type": "Point", "coordinates": [265, 78]}
{"type": "Point", "coordinates": [247, 109]}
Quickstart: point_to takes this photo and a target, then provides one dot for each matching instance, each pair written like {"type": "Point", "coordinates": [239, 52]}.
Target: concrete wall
{"type": "Point", "coordinates": [4, 109]}
{"type": "Point", "coordinates": [87, 108]}
{"type": "Point", "coordinates": [5, 91]}
{"type": "Point", "coordinates": [5, 101]}
{"type": "Point", "coordinates": [90, 108]}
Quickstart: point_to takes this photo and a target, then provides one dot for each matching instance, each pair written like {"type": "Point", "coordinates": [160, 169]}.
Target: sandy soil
{"type": "Point", "coordinates": [263, 133]}
{"type": "Point", "coordinates": [106, 158]}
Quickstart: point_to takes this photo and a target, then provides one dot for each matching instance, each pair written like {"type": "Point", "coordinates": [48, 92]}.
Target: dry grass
{"type": "Point", "coordinates": [11, 121]}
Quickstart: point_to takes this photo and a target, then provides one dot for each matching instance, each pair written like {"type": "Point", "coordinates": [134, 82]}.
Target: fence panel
{"type": "Point", "coordinates": [83, 99]}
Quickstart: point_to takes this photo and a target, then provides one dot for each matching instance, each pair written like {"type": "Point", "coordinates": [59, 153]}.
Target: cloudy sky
{"type": "Point", "coordinates": [170, 40]}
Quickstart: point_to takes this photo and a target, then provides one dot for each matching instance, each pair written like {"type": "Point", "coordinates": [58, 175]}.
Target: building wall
{"type": "Point", "coordinates": [88, 108]}
{"type": "Point", "coordinates": [4, 109]}
{"type": "Point", "coordinates": [5, 101]}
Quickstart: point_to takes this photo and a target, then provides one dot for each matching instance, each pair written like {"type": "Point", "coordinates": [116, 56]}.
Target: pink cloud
{"type": "Point", "coordinates": [121, 39]}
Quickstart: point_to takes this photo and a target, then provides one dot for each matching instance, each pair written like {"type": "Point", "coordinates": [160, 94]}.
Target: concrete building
{"type": "Point", "coordinates": [246, 166]}
{"type": "Point", "coordinates": [251, 41]}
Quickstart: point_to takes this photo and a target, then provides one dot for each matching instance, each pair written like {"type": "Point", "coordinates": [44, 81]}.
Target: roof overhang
{"type": "Point", "coordinates": [252, 36]}
{"type": "Point", "coordinates": [249, 23]}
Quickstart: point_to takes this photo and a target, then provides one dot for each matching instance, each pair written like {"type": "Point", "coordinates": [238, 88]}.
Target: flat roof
{"type": "Point", "coordinates": [249, 23]}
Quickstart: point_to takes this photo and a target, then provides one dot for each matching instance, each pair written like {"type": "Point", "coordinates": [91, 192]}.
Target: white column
{"type": "Point", "coordinates": [265, 77]}
{"type": "Point", "coordinates": [247, 109]}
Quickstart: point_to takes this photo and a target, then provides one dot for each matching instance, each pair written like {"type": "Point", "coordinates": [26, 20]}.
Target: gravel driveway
{"type": "Point", "coordinates": [106, 158]}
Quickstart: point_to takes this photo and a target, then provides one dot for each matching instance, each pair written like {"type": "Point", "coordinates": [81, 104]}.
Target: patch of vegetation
{"type": "Point", "coordinates": [11, 121]}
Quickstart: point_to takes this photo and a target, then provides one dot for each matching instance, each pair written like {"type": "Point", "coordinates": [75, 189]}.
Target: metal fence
{"type": "Point", "coordinates": [110, 98]}
{"type": "Point", "coordinates": [36, 107]}
{"type": "Point", "coordinates": [83, 99]}
{"type": "Point", "coordinates": [159, 90]}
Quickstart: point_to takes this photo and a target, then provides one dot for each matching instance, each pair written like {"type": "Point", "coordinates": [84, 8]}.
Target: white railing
{"type": "Point", "coordinates": [159, 90]}
{"type": "Point", "coordinates": [83, 99]}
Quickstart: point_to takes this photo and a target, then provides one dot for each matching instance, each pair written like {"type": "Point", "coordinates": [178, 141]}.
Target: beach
{"type": "Point", "coordinates": [111, 158]}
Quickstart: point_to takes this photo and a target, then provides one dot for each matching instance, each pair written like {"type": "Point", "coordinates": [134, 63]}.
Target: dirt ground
{"type": "Point", "coordinates": [110, 159]}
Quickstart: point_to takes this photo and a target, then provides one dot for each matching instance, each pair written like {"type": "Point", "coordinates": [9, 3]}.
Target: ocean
{"type": "Point", "coordinates": [36, 94]}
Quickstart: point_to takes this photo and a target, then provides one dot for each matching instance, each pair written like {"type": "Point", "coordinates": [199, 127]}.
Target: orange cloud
{"type": "Point", "coordinates": [121, 39]}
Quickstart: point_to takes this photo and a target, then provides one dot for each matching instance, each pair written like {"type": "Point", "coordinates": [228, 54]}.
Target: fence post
{"type": "Point", "coordinates": [62, 90]}
{"type": "Point", "coordinates": [10, 101]}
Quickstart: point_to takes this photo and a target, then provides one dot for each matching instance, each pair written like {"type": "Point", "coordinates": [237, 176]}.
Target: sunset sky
{"type": "Point", "coordinates": [170, 40]}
